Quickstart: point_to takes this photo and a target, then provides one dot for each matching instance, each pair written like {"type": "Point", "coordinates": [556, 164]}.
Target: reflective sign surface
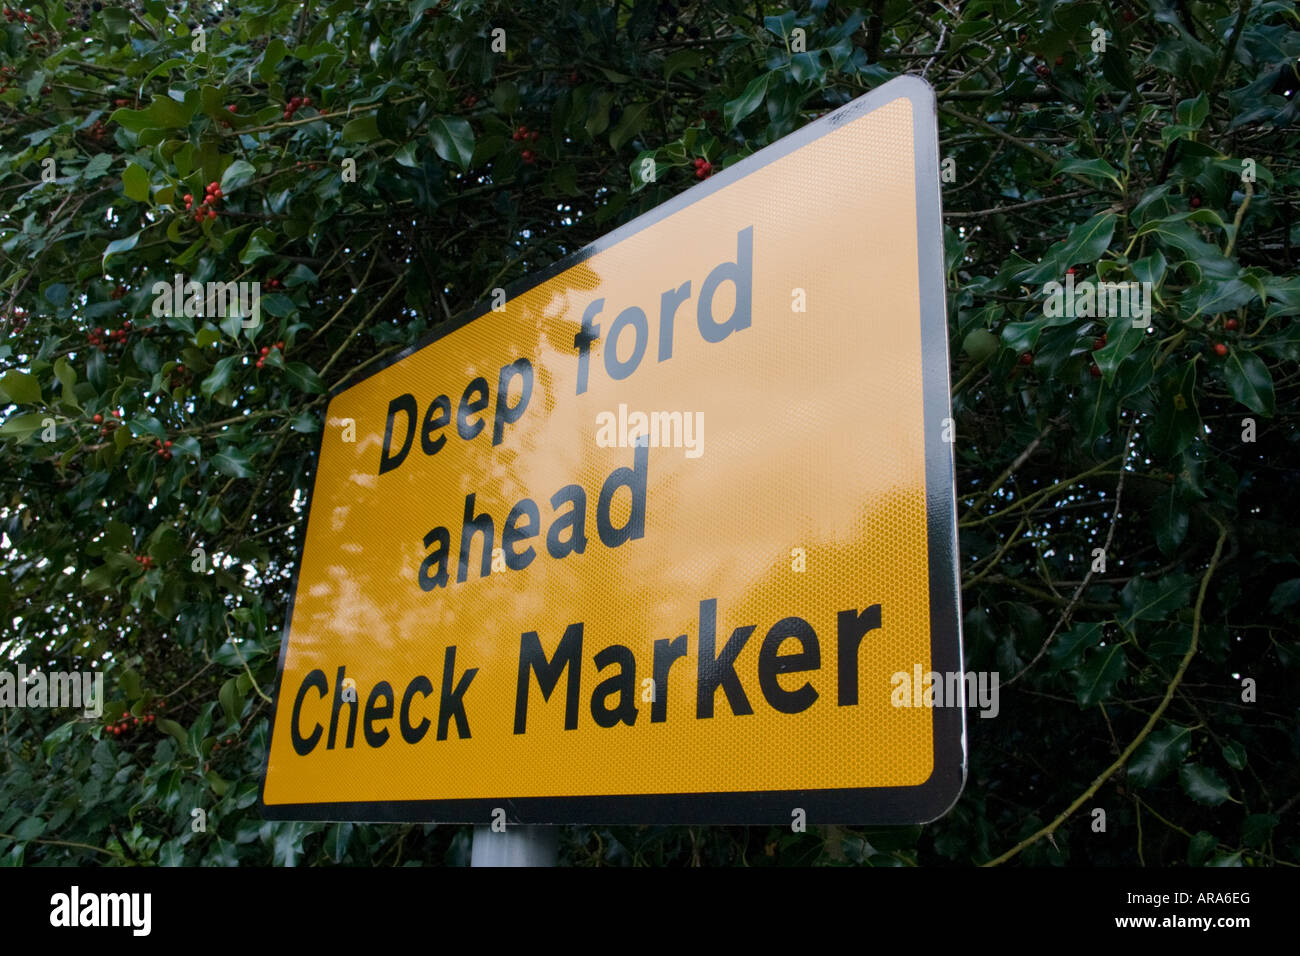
{"type": "Point", "coordinates": [653, 541]}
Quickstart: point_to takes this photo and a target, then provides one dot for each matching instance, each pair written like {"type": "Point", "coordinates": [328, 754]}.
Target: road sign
{"type": "Point", "coordinates": [653, 539]}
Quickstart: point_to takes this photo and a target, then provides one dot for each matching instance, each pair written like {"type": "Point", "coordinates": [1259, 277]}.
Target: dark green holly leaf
{"type": "Point", "coordinates": [1249, 381]}
{"type": "Point", "coordinates": [1163, 751]}
{"type": "Point", "coordinates": [1203, 784]}
{"type": "Point", "coordinates": [453, 140]}
{"type": "Point", "coordinates": [233, 462]}
{"type": "Point", "coordinates": [1103, 668]}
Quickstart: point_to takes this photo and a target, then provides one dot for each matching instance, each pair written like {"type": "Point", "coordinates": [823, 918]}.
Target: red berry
{"type": "Point", "coordinates": [1230, 325]}
{"type": "Point", "coordinates": [534, 136]}
{"type": "Point", "coordinates": [212, 214]}
{"type": "Point", "coordinates": [306, 101]}
{"type": "Point", "coordinates": [266, 350]}
{"type": "Point", "coordinates": [116, 413]}
{"type": "Point", "coordinates": [1060, 60]}
{"type": "Point", "coordinates": [1027, 359]}
{"type": "Point", "coordinates": [1196, 201]}
{"type": "Point", "coordinates": [1095, 372]}
{"type": "Point", "coordinates": [1220, 349]}
{"type": "Point", "coordinates": [1099, 343]}
{"type": "Point", "coordinates": [167, 443]}
{"type": "Point", "coordinates": [259, 363]}
{"type": "Point", "coordinates": [280, 346]}
{"type": "Point", "coordinates": [189, 197]}
{"type": "Point", "coordinates": [97, 418]}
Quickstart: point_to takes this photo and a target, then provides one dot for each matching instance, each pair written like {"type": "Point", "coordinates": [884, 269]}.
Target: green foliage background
{"type": "Point", "coordinates": [1122, 689]}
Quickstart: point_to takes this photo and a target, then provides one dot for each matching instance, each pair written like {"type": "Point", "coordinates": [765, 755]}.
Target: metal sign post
{"type": "Point", "coordinates": [515, 846]}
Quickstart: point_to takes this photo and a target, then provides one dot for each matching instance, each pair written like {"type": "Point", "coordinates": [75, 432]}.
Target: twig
{"type": "Point", "coordinates": [79, 846]}
{"type": "Point", "coordinates": [1106, 774]}
{"type": "Point", "coordinates": [1236, 220]}
{"type": "Point", "coordinates": [1083, 585]}
{"type": "Point", "coordinates": [1020, 205]}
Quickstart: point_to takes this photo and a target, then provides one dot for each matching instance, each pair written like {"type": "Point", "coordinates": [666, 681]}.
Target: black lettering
{"type": "Point", "coordinates": [511, 534]}
{"type": "Point", "coordinates": [715, 672]}
{"type": "Point", "coordinates": [634, 317]}
{"type": "Point", "coordinates": [377, 738]}
{"type": "Point", "coordinates": [741, 272]}
{"type": "Point", "coordinates": [574, 520]}
{"type": "Point", "coordinates": [506, 414]}
{"type": "Point", "coordinates": [623, 683]}
{"type": "Point", "coordinates": [438, 558]}
{"type": "Point", "coordinates": [464, 426]}
{"type": "Point", "coordinates": [451, 705]}
{"type": "Point", "coordinates": [402, 403]}
{"type": "Point", "coordinates": [442, 405]}
{"type": "Point", "coordinates": [669, 303]}
{"type": "Point", "coordinates": [413, 734]}
{"type": "Point", "coordinates": [583, 339]}
{"type": "Point", "coordinates": [338, 705]}
{"type": "Point", "coordinates": [771, 663]}
{"type": "Point", "coordinates": [302, 746]}
{"type": "Point", "coordinates": [634, 479]}
{"type": "Point", "coordinates": [666, 653]}
{"type": "Point", "coordinates": [472, 525]}
{"type": "Point", "coordinates": [851, 627]}
{"type": "Point", "coordinates": [532, 657]}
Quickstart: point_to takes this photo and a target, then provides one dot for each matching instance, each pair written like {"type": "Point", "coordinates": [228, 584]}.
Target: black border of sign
{"type": "Point", "coordinates": [870, 805]}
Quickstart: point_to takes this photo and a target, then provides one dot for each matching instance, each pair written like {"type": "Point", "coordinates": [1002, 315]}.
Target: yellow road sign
{"type": "Point", "coordinates": [652, 540]}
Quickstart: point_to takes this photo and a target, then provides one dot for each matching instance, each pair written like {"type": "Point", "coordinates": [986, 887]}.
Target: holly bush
{"type": "Point", "coordinates": [1129, 569]}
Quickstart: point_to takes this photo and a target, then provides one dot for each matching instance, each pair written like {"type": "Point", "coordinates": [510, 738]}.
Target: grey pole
{"type": "Point", "coordinates": [515, 846]}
